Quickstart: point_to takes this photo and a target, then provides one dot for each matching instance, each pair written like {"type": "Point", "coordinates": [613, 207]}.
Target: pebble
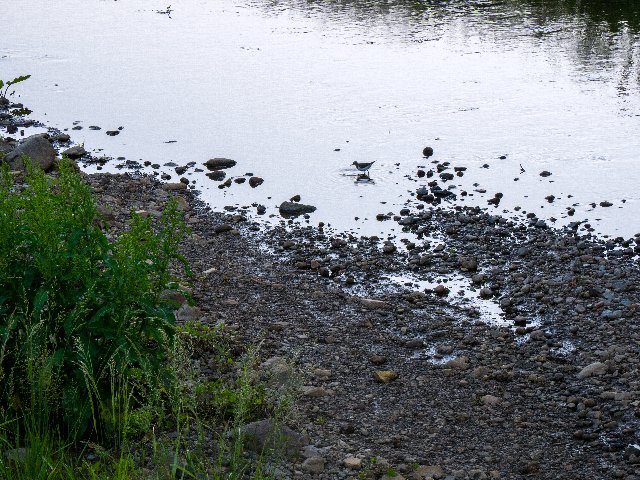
{"type": "Point", "coordinates": [313, 465]}
{"type": "Point", "coordinates": [593, 369]}
{"type": "Point", "coordinates": [458, 363]}
{"type": "Point", "coordinates": [388, 248]}
{"type": "Point", "coordinates": [385, 376]}
{"type": "Point", "coordinates": [352, 463]}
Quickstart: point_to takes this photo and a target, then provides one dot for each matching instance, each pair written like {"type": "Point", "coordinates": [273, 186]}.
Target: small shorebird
{"type": "Point", "coordinates": [363, 167]}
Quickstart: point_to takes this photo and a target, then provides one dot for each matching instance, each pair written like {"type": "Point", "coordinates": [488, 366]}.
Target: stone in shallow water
{"type": "Point", "coordinates": [292, 209]}
{"type": "Point", "coordinates": [75, 152]}
{"type": "Point", "coordinates": [219, 163]}
{"type": "Point", "coordinates": [216, 176]}
{"type": "Point", "coordinates": [255, 181]}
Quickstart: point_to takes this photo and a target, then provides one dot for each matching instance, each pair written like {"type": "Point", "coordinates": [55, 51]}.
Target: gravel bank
{"type": "Point", "coordinates": [419, 379]}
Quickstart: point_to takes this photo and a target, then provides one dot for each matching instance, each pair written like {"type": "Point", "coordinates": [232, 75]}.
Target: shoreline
{"type": "Point", "coordinates": [558, 400]}
{"type": "Point", "coordinates": [557, 397]}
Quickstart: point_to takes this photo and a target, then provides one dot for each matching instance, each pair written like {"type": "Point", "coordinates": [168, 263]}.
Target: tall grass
{"type": "Point", "coordinates": [94, 371]}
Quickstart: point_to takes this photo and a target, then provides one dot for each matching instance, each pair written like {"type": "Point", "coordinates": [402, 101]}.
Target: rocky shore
{"type": "Point", "coordinates": [416, 380]}
{"type": "Point", "coordinates": [402, 381]}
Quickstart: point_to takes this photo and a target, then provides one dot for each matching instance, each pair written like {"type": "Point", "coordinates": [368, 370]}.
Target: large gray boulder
{"type": "Point", "coordinates": [37, 148]}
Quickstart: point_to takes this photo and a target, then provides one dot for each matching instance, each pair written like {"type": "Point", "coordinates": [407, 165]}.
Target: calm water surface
{"type": "Point", "coordinates": [279, 86]}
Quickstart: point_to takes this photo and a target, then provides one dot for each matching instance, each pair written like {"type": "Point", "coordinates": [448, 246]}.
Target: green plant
{"type": "Point", "coordinates": [86, 309]}
{"type": "Point", "coordinates": [22, 111]}
{"type": "Point", "coordinates": [390, 472]}
{"type": "Point", "coordinates": [7, 84]}
{"type": "Point", "coordinates": [96, 380]}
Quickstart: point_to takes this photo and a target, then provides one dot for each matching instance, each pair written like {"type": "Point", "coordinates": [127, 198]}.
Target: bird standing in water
{"type": "Point", "coordinates": [363, 167]}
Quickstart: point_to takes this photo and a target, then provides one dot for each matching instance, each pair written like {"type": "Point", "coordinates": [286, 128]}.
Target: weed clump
{"type": "Point", "coordinates": [84, 330]}
{"type": "Point", "coordinates": [97, 381]}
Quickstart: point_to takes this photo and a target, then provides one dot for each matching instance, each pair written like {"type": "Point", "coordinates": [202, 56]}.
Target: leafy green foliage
{"type": "Point", "coordinates": [7, 84]}
{"type": "Point", "coordinates": [19, 112]}
{"type": "Point", "coordinates": [87, 308]}
{"type": "Point", "coordinates": [219, 400]}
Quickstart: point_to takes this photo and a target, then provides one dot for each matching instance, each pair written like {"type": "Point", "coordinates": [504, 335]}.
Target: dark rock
{"type": "Point", "coordinates": [174, 187]}
{"type": "Point", "coordinates": [112, 133]}
{"type": "Point", "coordinates": [224, 227]}
{"type": "Point", "coordinates": [388, 248]}
{"type": "Point", "coordinates": [470, 264]}
{"type": "Point", "coordinates": [295, 198]}
{"type": "Point", "coordinates": [75, 152]}
{"type": "Point", "coordinates": [486, 292]}
{"type": "Point", "coordinates": [293, 209]}
{"type": "Point", "coordinates": [441, 290]}
{"type": "Point", "coordinates": [427, 151]}
{"type": "Point", "coordinates": [217, 175]}
{"type": "Point", "coordinates": [545, 173]}
{"type": "Point", "coordinates": [377, 359]}
{"type": "Point", "coordinates": [255, 181]}
{"type": "Point", "coordinates": [219, 163]}
{"type": "Point", "coordinates": [181, 170]}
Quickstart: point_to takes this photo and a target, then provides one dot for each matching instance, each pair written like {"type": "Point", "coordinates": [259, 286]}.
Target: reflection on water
{"type": "Point", "coordinates": [596, 33]}
{"type": "Point", "coordinates": [610, 15]}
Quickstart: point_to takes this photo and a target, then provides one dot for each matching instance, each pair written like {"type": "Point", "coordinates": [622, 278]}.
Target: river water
{"type": "Point", "coordinates": [281, 86]}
